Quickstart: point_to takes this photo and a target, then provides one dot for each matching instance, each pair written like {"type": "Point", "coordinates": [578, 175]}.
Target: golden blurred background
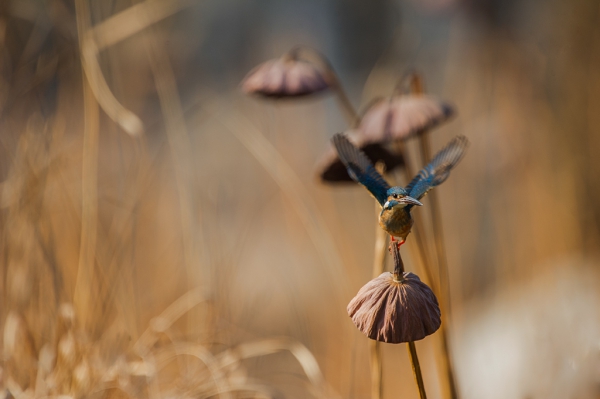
{"type": "Point", "coordinates": [165, 235]}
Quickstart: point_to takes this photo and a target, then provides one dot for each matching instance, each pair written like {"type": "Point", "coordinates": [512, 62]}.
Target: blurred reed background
{"type": "Point", "coordinates": [154, 218]}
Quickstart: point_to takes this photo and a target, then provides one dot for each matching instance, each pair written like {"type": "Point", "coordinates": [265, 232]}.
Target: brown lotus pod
{"type": "Point", "coordinates": [395, 307]}
{"type": "Point", "coordinates": [402, 116]}
{"type": "Point", "coordinates": [395, 310]}
{"type": "Point", "coordinates": [288, 76]}
{"type": "Point", "coordinates": [332, 170]}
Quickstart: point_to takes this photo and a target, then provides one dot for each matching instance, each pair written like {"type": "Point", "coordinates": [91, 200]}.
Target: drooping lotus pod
{"type": "Point", "coordinates": [332, 170]}
{"type": "Point", "coordinates": [400, 117]}
{"type": "Point", "coordinates": [395, 310]}
{"type": "Point", "coordinates": [395, 307]}
{"type": "Point", "coordinates": [288, 76]}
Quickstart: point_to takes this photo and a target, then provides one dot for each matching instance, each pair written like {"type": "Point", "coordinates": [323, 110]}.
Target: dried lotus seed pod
{"type": "Point", "coordinates": [395, 310]}
{"type": "Point", "coordinates": [288, 76]}
{"type": "Point", "coordinates": [395, 307]}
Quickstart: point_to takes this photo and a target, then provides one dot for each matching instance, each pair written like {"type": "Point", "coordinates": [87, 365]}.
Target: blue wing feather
{"type": "Point", "coordinates": [360, 168]}
{"type": "Point", "coordinates": [438, 170]}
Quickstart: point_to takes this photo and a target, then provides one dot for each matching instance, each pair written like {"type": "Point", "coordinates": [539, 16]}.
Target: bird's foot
{"type": "Point", "coordinates": [398, 243]}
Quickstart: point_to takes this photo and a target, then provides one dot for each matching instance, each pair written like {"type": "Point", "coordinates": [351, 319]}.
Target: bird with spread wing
{"type": "Point", "coordinates": [397, 202]}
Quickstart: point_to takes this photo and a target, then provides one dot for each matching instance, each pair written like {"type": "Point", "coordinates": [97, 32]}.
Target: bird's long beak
{"type": "Point", "coordinates": [410, 200]}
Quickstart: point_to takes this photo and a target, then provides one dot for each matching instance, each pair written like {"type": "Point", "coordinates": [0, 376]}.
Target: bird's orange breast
{"type": "Point", "coordinates": [396, 222]}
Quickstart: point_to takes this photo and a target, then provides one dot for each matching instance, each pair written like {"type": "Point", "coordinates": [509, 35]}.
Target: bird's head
{"type": "Point", "coordinates": [397, 197]}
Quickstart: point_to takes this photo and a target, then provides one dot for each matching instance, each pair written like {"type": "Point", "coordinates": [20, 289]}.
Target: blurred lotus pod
{"type": "Point", "coordinates": [332, 170]}
{"type": "Point", "coordinates": [287, 76]}
{"type": "Point", "coordinates": [400, 117]}
{"type": "Point", "coordinates": [395, 309]}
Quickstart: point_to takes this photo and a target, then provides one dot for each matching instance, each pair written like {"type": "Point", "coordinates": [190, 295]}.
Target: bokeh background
{"type": "Point", "coordinates": [154, 218]}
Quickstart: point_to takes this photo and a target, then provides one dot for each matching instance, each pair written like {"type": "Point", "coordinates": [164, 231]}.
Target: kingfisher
{"type": "Point", "coordinates": [397, 202]}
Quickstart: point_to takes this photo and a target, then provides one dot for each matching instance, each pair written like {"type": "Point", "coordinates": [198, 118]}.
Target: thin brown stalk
{"type": "Point", "coordinates": [181, 156]}
{"type": "Point", "coordinates": [419, 239]}
{"type": "Point", "coordinates": [341, 96]}
{"type": "Point", "coordinates": [451, 379]}
{"type": "Point", "coordinates": [418, 230]}
{"type": "Point", "coordinates": [376, 369]}
{"type": "Point", "coordinates": [179, 145]}
{"type": "Point", "coordinates": [89, 217]}
{"type": "Point", "coordinates": [414, 359]}
{"type": "Point", "coordinates": [134, 19]}
{"type": "Point", "coordinates": [375, 346]}
{"type": "Point", "coordinates": [111, 31]}
{"type": "Point", "coordinates": [345, 104]}
{"type": "Point", "coordinates": [443, 290]}
{"type": "Point", "coordinates": [436, 222]}
{"type": "Point", "coordinates": [434, 208]}
{"type": "Point", "coordinates": [98, 85]}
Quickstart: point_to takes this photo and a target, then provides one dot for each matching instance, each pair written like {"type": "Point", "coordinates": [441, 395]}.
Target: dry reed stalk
{"type": "Point", "coordinates": [128, 121]}
{"type": "Point", "coordinates": [82, 296]}
{"type": "Point", "coordinates": [419, 238]}
{"type": "Point", "coordinates": [195, 251]}
{"type": "Point", "coordinates": [376, 369]}
{"type": "Point", "coordinates": [80, 368]}
{"type": "Point", "coordinates": [81, 372]}
{"type": "Point", "coordinates": [434, 209]}
{"type": "Point", "coordinates": [134, 19]}
{"type": "Point", "coordinates": [440, 282]}
{"type": "Point", "coordinates": [164, 321]}
{"type": "Point", "coordinates": [440, 249]}
{"type": "Point", "coordinates": [343, 100]}
{"type": "Point", "coordinates": [378, 268]}
{"type": "Point", "coordinates": [111, 31]}
{"type": "Point", "coordinates": [414, 360]}
{"type": "Point", "coordinates": [90, 242]}
{"type": "Point", "coordinates": [180, 147]}
{"type": "Point", "coordinates": [307, 361]}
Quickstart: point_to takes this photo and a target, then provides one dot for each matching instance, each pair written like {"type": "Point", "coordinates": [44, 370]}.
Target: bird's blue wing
{"type": "Point", "coordinates": [360, 168]}
{"type": "Point", "coordinates": [438, 170]}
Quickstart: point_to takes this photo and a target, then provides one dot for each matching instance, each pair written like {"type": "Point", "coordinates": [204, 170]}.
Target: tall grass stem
{"type": "Point", "coordinates": [443, 276]}
{"type": "Point", "coordinates": [345, 104]}
{"type": "Point", "coordinates": [378, 268]}
{"type": "Point", "coordinates": [82, 296]}
{"type": "Point", "coordinates": [341, 96]}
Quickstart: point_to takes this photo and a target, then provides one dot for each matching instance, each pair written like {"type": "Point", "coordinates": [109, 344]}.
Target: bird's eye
{"type": "Point", "coordinates": [396, 196]}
